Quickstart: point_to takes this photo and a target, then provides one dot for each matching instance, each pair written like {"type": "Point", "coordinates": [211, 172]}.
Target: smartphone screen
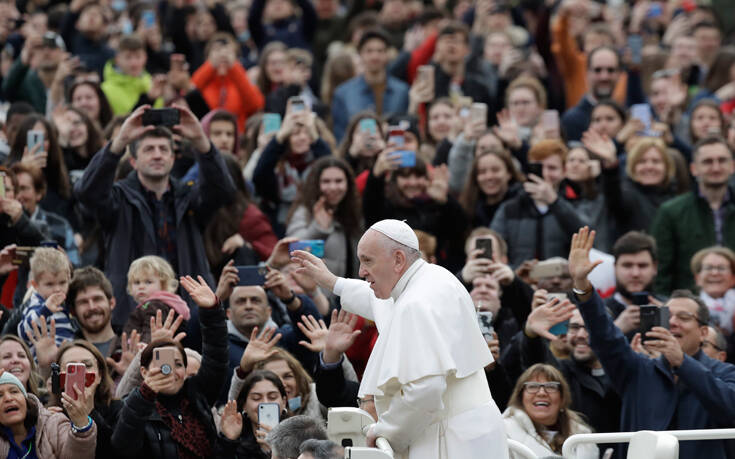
{"type": "Point", "coordinates": [550, 119]}
{"type": "Point", "coordinates": [35, 137]}
{"type": "Point", "coordinates": [485, 320]}
{"type": "Point", "coordinates": [479, 111]}
{"type": "Point", "coordinates": [271, 123]}
{"type": "Point", "coordinates": [486, 244]}
{"type": "Point", "coordinates": [643, 113]}
{"type": "Point", "coordinates": [369, 125]}
{"type": "Point", "coordinates": [635, 43]}
{"type": "Point", "coordinates": [313, 246]}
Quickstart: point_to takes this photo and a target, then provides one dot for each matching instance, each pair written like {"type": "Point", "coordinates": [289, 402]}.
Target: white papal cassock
{"type": "Point", "coordinates": [426, 370]}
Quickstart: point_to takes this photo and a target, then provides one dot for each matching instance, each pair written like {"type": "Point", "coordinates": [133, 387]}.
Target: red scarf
{"type": "Point", "coordinates": [187, 430]}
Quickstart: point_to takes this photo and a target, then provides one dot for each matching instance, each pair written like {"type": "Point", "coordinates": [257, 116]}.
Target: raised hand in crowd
{"type": "Point", "coordinates": [36, 157]}
{"type": "Point", "coordinates": [30, 47]}
{"type": "Point", "coordinates": [580, 265]}
{"type": "Point", "coordinates": [502, 273]}
{"type": "Point", "coordinates": [233, 243]}
{"type": "Point", "coordinates": [365, 144]}
{"type": "Point", "coordinates": [387, 161]}
{"type": "Point", "coordinates": [507, 129]}
{"type": "Point", "coordinates": [280, 256]}
{"type": "Point", "coordinates": [78, 408]}
{"type": "Point", "coordinates": [475, 266]}
{"type": "Point", "coordinates": [323, 214]}
{"type": "Point", "coordinates": [629, 319]}
{"type": "Point", "coordinates": [167, 329]}
{"type": "Point", "coordinates": [43, 340]}
{"type": "Point", "coordinates": [540, 190]}
{"type": "Point", "coordinates": [228, 279]}
{"type": "Point", "coordinates": [12, 208]}
{"type": "Point", "coordinates": [601, 146]}
{"type": "Point", "coordinates": [129, 349]}
{"type": "Point", "coordinates": [630, 129]}
{"type": "Point", "coordinates": [544, 317]}
{"type": "Point", "coordinates": [275, 281]}
{"type": "Point", "coordinates": [523, 271]}
{"type": "Point", "coordinates": [473, 129]}
{"type": "Point", "coordinates": [637, 345]}
{"type": "Point", "coordinates": [494, 346]}
{"type": "Point", "coordinates": [158, 86]}
{"type": "Point", "coordinates": [199, 291]}
{"type": "Point", "coordinates": [341, 336]}
{"type": "Point", "coordinates": [6, 259]}
{"type": "Point", "coordinates": [259, 348]}
{"type": "Point", "coordinates": [231, 422]}
{"type": "Point", "coordinates": [438, 188]}
{"type": "Point", "coordinates": [316, 331]}
{"type": "Point", "coordinates": [178, 74]}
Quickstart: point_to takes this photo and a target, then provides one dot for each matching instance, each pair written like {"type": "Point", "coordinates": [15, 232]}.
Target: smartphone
{"type": "Point", "coordinates": [269, 414]}
{"type": "Point", "coordinates": [149, 18]}
{"type": "Point", "coordinates": [559, 296]}
{"type": "Point", "coordinates": [653, 316]}
{"type": "Point", "coordinates": [22, 255]}
{"type": "Point", "coordinates": [75, 376]}
{"type": "Point", "coordinates": [369, 125]}
{"type": "Point", "coordinates": [408, 157]}
{"type": "Point", "coordinates": [35, 137]}
{"type": "Point", "coordinates": [426, 73]}
{"type": "Point", "coordinates": [2, 184]}
{"type": "Point", "coordinates": [654, 11]}
{"type": "Point", "coordinates": [251, 275]}
{"type": "Point", "coordinates": [642, 112]}
{"type": "Point", "coordinates": [396, 136]}
{"type": "Point", "coordinates": [271, 123]}
{"type": "Point", "coordinates": [478, 110]}
{"type": "Point", "coordinates": [161, 117]}
{"type": "Point", "coordinates": [297, 104]}
{"type": "Point", "coordinates": [544, 269]}
{"type": "Point", "coordinates": [635, 43]}
{"type": "Point", "coordinates": [313, 246]}
{"type": "Point", "coordinates": [560, 329]}
{"type": "Point", "coordinates": [640, 298]}
{"type": "Point", "coordinates": [486, 244]}
{"type": "Point", "coordinates": [485, 320]}
{"type": "Point", "coordinates": [165, 359]}
{"type": "Point", "coordinates": [536, 169]}
{"type": "Point", "coordinates": [550, 119]}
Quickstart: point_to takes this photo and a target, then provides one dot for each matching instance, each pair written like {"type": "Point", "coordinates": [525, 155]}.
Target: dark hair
{"type": "Point", "coordinates": [471, 192]}
{"type": "Point", "coordinates": [113, 124]}
{"type": "Point", "coordinates": [252, 379]}
{"type": "Point", "coordinates": [131, 42]}
{"type": "Point", "coordinates": [634, 242]}
{"type": "Point", "coordinates": [373, 34]}
{"type": "Point", "coordinates": [453, 28]}
{"type": "Point", "coordinates": [224, 115]}
{"type": "Point", "coordinates": [602, 48]}
{"type": "Point", "coordinates": [719, 74]}
{"type": "Point", "coordinates": [39, 181]}
{"type": "Point", "coordinates": [347, 212]}
{"type": "Point", "coordinates": [702, 310]}
{"type": "Point", "coordinates": [103, 395]}
{"type": "Point", "coordinates": [158, 132]}
{"type": "Point", "coordinates": [20, 107]}
{"type": "Point", "coordinates": [147, 355]}
{"type": "Point", "coordinates": [614, 105]}
{"type": "Point", "coordinates": [86, 277]}
{"type": "Point", "coordinates": [95, 140]}
{"type": "Point", "coordinates": [434, 103]}
{"type": "Point", "coordinates": [105, 114]}
{"type": "Point", "coordinates": [57, 177]}
{"type": "Point", "coordinates": [263, 82]}
{"type": "Point", "coordinates": [364, 20]}
{"type": "Point", "coordinates": [709, 140]}
{"type": "Point", "coordinates": [706, 24]}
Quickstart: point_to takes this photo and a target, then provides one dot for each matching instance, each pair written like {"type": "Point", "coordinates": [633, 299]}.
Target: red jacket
{"type": "Point", "coordinates": [256, 229]}
{"type": "Point", "coordinates": [232, 92]}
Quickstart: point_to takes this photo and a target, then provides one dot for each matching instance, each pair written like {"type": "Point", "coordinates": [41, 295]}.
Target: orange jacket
{"type": "Point", "coordinates": [232, 92]}
{"type": "Point", "coordinates": [572, 63]}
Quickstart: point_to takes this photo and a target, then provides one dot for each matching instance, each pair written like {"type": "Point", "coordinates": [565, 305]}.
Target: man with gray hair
{"type": "Point", "coordinates": [320, 449]}
{"type": "Point", "coordinates": [286, 438]}
{"type": "Point", "coordinates": [426, 370]}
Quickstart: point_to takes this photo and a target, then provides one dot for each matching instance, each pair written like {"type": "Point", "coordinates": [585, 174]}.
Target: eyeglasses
{"type": "Point", "coordinates": [710, 343]}
{"type": "Point", "coordinates": [549, 387]}
{"type": "Point", "coordinates": [575, 328]}
{"type": "Point", "coordinates": [605, 69]}
{"type": "Point", "coordinates": [687, 317]}
{"type": "Point", "coordinates": [716, 268]}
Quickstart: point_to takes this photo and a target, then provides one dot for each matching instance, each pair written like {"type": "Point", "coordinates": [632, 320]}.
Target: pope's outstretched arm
{"type": "Point", "coordinates": [356, 294]}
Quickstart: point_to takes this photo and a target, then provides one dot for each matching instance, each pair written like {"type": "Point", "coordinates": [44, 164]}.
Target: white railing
{"type": "Point", "coordinates": [521, 449]}
{"type": "Point", "coordinates": [625, 437]}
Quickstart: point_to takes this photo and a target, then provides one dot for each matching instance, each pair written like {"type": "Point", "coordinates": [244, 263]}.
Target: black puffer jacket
{"type": "Point", "coordinates": [141, 432]}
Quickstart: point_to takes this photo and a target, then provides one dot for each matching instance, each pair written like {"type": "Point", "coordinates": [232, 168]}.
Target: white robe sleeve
{"type": "Point", "coordinates": [356, 296]}
{"type": "Point", "coordinates": [411, 412]}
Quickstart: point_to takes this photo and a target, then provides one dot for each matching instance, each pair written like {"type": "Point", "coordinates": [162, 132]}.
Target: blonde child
{"type": "Point", "coordinates": [50, 276]}
{"type": "Point", "coordinates": [148, 275]}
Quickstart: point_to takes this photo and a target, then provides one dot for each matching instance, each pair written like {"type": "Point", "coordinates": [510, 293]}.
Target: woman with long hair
{"type": "Point", "coordinates": [328, 208]}
{"type": "Point", "coordinates": [539, 417]}
{"type": "Point", "coordinates": [100, 404]}
{"type": "Point", "coordinates": [16, 358]}
{"type": "Point", "coordinates": [80, 139]}
{"type": "Point", "coordinates": [706, 119]}
{"type": "Point", "coordinates": [362, 142]}
{"type": "Point", "coordinates": [245, 438]}
{"type": "Point", "coordinates": [271, 67]}
{"type": "Point", "coordinates": [88, 97]}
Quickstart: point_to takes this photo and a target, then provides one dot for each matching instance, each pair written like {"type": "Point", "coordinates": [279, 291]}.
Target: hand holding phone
{"type": "Point", "coordinates": [75, 376]}
{"type": "Point", "coordinates": [653, 316]}
{"type": "Point", "coordinates": [165, 359]}
{"type": "Point", "coordinates": [486, 244]}
{"type": "Point", "coordinates": [269, 414]}
{"type": "Point", "coordinates": [168, 117]}
{"type": "Point", "coordinates": [251, 275]}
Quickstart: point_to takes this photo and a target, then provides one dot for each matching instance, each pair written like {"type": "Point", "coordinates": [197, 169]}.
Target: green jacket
{"type": "Point", "coordinates": [681, 227]}
{"type": "Point", "coordinates": [123, 91]}
{"type": "Point", "coordinates": [22, 83]}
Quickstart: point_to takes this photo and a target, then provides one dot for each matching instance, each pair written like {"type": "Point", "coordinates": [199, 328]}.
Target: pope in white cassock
{"type": "Point", "coordinates": [426, 370]}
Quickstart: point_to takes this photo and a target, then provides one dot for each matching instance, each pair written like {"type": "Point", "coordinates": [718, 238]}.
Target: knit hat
{"type": "Point", "coordinates": [9, 378]}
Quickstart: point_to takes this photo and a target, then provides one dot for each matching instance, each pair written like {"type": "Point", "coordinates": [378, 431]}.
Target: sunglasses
{"type": "Point", "coordinates": [88, 379]}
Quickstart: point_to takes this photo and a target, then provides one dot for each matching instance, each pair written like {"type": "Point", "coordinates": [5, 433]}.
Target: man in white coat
{"type": "Point", "coordinates": [426, 370]}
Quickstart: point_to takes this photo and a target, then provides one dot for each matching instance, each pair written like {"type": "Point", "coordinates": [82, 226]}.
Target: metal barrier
{"type": "Point", "coordinates": [521, 449]}
{"type": "Point", "coordinates": [625, 437]}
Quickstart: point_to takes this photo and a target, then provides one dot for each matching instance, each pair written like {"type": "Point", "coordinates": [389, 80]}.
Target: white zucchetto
{"type": "Point", "coordinates": [399, 231]}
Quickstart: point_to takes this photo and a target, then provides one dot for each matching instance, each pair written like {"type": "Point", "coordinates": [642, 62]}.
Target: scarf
{"type": "Point", "coordinates": [187, 430]}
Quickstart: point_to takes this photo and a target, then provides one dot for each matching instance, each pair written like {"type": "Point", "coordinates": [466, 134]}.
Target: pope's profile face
{"type": "Point", "coordinates": [377, 265]}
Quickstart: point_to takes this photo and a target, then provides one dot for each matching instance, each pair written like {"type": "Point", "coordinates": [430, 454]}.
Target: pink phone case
{"type": "Point", "coordinates": [75, 376]}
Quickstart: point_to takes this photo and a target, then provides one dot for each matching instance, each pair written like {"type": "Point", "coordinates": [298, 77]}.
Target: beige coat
{"type": "Point", "coordinates": [54, 438]}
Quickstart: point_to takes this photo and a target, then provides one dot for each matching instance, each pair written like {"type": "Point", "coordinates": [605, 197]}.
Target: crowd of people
{"type": "Point", "coordinates": [569, 161]}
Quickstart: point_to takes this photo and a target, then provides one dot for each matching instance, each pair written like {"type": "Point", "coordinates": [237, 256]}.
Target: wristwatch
{"type": "Point", "coordinates": [579, 292]}
{"type": "Point", "coordinates": [291, 299]}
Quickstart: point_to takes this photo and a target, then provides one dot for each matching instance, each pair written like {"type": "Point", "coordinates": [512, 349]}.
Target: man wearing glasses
{"type": "Point", "coordinates": [603, 70]}
{"type": "Point", "coordinates": [715, 344]}
{"type": "Point", "coordinates": [683, 388]}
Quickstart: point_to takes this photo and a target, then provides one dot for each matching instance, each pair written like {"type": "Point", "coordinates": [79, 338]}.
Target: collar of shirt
{"type": "Point", "coordinates": [403, 281]}
{"type": "Point", "coordinates": [20, 450]}
{"type": "Point", "coordinates": [726, 199]}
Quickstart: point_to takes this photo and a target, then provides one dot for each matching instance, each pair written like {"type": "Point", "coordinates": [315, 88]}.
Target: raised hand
{"type": "Point", "coordinates": [341, 336]}
{"type": "Point", "coordinates": [507, 129]}
{"type": "Point", "coordinates": [199, 291]}
{"type": "Point", "coordinates": [316, 331]}
{"type": "Point", "coordinates": [661, 340]}
{"type": "Point", "coordinates": [439, 186]}
{"type": "Point", "coordinates": [259, 348]}
{"type": "Point", "coordinates": [315, 268]}
{"type": "Point", "coordinates": [276, 283]}
{"type": "Point", "coordinates": [190, 128]}
{"type": "Point", "coordinates": [323, 215]}
{"type": "Point", "coordinates": [476, 266]}
{"type": "Point", "coordinates": [157, 381]}
{"type": "Point", "coordinates": [580, 265]}
{"type": "Point", "coordinates": [78, 409]}
{"type": "Point", "coordinates": [43, 339]}
{"type": "Point", "coordinates": [35, 157]}
{"type": "Point", "coordinates": [228, 279]}
{"type": "Point", "coordinates": [231, 423]}
{"type": "Point", "coordinates": [629, 319]}
{"type": "Point", "coordinates": [637, 346]}
{"type": "Point", "coordinates": [544, 317]}
{"type": "Point", "coordinates": [129, 349]}
{"type": "Point", "coordinates": [167, 329]}
{"type": "Point", "coordinates": [601, 146]}
{"type": "Point", "coordinates": [280, 256]}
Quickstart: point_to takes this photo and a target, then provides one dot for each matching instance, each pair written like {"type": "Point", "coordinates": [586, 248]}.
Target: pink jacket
{"type": "Point", "coordinates": [54, 438]}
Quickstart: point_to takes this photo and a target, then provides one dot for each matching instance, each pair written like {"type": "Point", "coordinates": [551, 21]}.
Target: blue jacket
{"type": "Point", "coordinates": [703, 397]}
{"type": "Point", "coordinates": [576, 120]}
{"type": "Point", "coordinates": [355, 95]}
